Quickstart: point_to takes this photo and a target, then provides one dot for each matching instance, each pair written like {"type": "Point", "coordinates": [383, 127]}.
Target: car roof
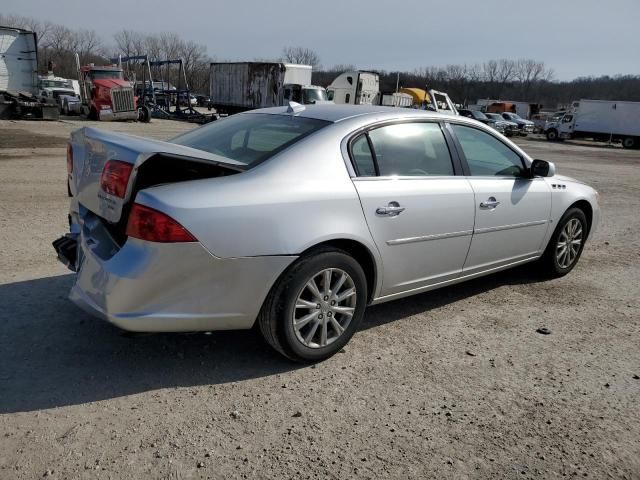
{"type": "Point", "coordinates": [331, 112]}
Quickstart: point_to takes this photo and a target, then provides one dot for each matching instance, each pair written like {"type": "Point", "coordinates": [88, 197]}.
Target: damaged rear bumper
{"type": "Point", "coordinates": [164, 287]}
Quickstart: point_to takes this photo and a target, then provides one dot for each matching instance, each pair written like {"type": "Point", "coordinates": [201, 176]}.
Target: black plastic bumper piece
{"type": "Point", "coordinates": [67, 249]}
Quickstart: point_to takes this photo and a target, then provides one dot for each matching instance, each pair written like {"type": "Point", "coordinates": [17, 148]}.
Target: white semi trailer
{"type": "Point", "coordinates": [19, 77]}
{"type": "Point", "coordinates": [600, 120]}
{"type": "Point", "coordinates": [239, 86]}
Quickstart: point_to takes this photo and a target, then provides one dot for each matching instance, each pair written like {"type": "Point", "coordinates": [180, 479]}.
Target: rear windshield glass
{"type": "Point", "coordinates": [250, 138]}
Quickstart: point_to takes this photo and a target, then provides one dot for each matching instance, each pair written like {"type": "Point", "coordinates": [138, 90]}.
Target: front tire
{"type": "Point", "coordinates": [566, 244]}
{"type": "Point", "coordinates": [552, 135]}
{"type": "Point", "coordinates": [144, 114]}
{"type": "Point", "coordinates": [315, 307]}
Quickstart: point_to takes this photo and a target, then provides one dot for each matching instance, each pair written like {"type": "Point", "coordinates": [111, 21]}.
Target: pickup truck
{"type": "Point", "coordinates": [525, 127]}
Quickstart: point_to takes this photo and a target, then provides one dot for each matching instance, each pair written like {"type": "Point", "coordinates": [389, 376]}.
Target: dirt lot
{"type": "Point", "coordinates": [451, 384]}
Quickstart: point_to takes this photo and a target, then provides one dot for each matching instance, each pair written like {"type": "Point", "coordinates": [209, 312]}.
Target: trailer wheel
{"type": "Point", "coordinates": [552, 135]}
{"type": "Point", "coordinates": [144, 114]}
{"type": "Point", "coordinates": [630, 142]}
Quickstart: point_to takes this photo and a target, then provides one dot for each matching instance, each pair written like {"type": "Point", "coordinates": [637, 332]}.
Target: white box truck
{"type": "Point", "coordinates": [600, 120]}
{"type": "Point", "coordinates": [239, 86]}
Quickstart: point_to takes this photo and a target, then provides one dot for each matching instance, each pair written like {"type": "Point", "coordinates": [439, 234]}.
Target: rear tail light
{"type": "Point", "coordinates": [69, 158]}
{"type": "Point", "coordinates": [148, 224]}
{"type": "Point", "coordinates": [115, 177]}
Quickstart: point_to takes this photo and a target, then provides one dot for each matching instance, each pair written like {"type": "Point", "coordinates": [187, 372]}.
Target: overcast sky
{"type": "Point", "coordinates": [574, 37]}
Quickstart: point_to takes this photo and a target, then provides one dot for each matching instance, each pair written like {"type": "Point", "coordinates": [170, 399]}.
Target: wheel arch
{"type": "Point", "coordinates": [587, 208]}
{"type": "Point", "coordinates": [361, 253]}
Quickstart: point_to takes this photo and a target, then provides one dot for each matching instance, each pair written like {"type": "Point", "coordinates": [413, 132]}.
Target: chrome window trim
{"type": "Point", "coordinates": [410, 177]}
{"type": "Point", "coordinates": [346, 141]}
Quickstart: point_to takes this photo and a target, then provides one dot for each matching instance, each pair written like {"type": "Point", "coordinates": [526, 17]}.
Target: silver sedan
{"type": "Point", "coordinates": [299, 217]}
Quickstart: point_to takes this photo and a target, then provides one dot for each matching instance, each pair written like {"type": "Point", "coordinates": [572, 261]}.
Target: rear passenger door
{"type": "Point", "coordinates": [419, 212]}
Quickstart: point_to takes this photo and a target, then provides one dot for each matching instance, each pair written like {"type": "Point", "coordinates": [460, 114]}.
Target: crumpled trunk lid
{"type": "Point", "coordinates": [93, 148]}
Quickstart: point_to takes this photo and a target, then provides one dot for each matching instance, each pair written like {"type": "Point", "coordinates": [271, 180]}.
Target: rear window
{"type": "Point", "coordinates": [250, 138]}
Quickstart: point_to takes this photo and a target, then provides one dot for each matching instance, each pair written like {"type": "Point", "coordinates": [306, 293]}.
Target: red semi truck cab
{"type": "Point", "coordinates": [106, 95]}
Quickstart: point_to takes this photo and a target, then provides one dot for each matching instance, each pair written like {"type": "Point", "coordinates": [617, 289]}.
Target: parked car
{"type": "Point", "coordinates": [481, 117]}
{"type": "Point", "coordinates": [203, 100]}
{"type": "Point", "coordinates": [524, 126]}
{"type": "Point", "coordinates": [510, 128]}
{"type": "Point", "coordinates": [272, 217]}
{"type": "Point", "coordinates": [188, 99]}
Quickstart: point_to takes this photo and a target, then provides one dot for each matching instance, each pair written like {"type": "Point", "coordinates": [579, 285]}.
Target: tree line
{"type": "Point", "coordinates": [58, 44]}
{"type": "Point", "coordinates": [521, 79]}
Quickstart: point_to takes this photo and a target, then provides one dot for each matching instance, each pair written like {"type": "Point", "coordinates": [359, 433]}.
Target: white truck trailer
{"type": "Point", "coordinates": [19, 77]}
{"type": "Point", "coordinates": [600, 120]}
{"type": "Point", "coordinates": [239, 86]}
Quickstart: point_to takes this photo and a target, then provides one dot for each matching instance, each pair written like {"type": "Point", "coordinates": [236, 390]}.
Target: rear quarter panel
{"type": "Point", "coordinates": [301, 197]}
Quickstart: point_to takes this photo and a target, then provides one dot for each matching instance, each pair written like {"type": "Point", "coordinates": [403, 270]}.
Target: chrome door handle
{"type": "Point", "coordinates": [392, 210]}
{"type": "Point", "coordinates": [491, 202]}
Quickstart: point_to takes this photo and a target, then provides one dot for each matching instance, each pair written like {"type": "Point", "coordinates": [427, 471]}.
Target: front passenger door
{"type": "Point", "coordinates": [512, 210]}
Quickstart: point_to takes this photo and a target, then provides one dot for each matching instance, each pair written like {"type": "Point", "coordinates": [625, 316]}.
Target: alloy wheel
{"type": "Point", "coordinates": [324, 308]}
{"type": "Point", "coordinates": [569, 243]}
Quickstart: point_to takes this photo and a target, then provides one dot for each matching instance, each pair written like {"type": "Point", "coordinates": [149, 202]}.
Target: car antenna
{"type": "Point", "coordinates": [295, 107]}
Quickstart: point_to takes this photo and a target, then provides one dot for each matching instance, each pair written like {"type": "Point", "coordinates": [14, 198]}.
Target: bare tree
{"type": "Point", "coordinates": [301, 55]}
{"type": "Point", "coordinates": [490, 71]}
{"type": "Point", "coordinates": [506, 71]}
{"type": "Point", "coordinates": [128, 43]}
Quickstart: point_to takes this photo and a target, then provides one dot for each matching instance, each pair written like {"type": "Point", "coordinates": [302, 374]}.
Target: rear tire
{"type": "Point", "coordinates": [630, 142]}
{"type": "Point", "coordinates": [563, 251]}
{"type": "Point", "coordinates": [306, 327]}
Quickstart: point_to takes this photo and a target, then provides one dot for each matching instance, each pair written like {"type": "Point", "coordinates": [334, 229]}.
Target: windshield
{"type": "Point", "coordinates": [312, 95]}
{"type": "Point", "coordinates": [55, 84]}
{"type": "Point", "coordinates": [250, 138]}
{"type": "Point", "coordinates": [106, 74]}
{"type": "Point", "coordinates": [512, 116]}
{"type": "Point", "coordinates": [478, 115]}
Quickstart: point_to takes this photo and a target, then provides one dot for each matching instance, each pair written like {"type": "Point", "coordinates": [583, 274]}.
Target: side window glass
{"type": "Point", "coordinates": [362, 158]}
{"type": "Point", "coordinates": [411, 149]}
{"type": "Point", "coordinates": [486, 155]}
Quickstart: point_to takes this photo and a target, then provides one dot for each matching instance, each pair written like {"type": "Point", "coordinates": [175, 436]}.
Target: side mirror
{"type": "Point", "coordinates": [542, 168]}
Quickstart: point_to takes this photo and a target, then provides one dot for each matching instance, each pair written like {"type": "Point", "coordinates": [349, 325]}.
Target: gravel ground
{"type": "Point", "coordinates": [454, 383]}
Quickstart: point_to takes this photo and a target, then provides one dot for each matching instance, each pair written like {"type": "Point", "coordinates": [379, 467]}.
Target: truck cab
{"type": "Point", "coordinates": [61, 91]}
{"type": "Point", "coordinates": [106, 95]}
{"type": "Point", "coordinates": [355, 88]}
